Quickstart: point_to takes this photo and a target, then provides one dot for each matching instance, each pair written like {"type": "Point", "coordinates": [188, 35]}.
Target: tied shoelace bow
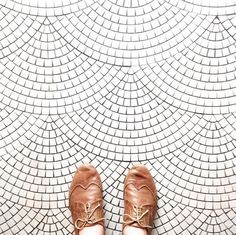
{"type": "Point", "coordinates": [88, 219]}
{"type": "Point", "coordinates": [137, 217]}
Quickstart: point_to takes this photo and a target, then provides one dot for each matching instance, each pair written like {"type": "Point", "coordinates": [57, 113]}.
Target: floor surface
{"type": "Point", "coordinates": [115, 83]}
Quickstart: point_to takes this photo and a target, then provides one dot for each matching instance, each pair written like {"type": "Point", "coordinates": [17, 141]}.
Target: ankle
{"type": "Point", "coordinates": [130, 230]}
{"type": "Point", "coordinates": [96, 229]}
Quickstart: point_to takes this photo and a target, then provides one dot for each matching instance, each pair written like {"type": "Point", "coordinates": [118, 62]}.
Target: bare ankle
{"type": "Point", "coordinates": [130, 230]}
{"type": "Point", "coordinates": [96, 229]}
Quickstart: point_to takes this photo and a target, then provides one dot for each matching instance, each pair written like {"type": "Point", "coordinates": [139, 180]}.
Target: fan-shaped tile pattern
{"type": "Point", "coordinates": [114, 83]}
{"type": "Point", "coordinates": [46, 8]}
{"type": "Point", "coordinates": [200, 78]}
{"type": "Point", "coordinates": [134, 35]}
{"type": "Point", "coordinates": [209, 7]}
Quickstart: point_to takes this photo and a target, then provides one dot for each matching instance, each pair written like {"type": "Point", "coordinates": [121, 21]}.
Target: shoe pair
{"type": "Point", "coordinates": [85, 198]}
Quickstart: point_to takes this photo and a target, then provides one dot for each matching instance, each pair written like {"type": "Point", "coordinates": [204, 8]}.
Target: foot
{"type": "Point", "coordinates": [140, 199]}
{"type": "Point", "coordinates": [85, 198]}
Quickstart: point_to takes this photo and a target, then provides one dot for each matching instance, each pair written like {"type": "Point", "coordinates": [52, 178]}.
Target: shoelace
{"type": "Point", "coordinates": [89, 214]}
{"type": "Point", "coordinates": [137, 217]}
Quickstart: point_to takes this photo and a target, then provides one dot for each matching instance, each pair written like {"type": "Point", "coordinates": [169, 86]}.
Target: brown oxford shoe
{"type": "Point", "coordinates": [139, 198]}
{"type": "Point", "coordinates": [85, 198]}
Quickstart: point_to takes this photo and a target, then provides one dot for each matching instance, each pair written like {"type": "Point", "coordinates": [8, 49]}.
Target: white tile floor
{"type": "Point", "coordinates": [113, 83]}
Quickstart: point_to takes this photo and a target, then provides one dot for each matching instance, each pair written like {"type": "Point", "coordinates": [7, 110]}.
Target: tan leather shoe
{"type": "Point", "coordinates": [140, 198]}
{"type": "Point", "coordinates": [85, 198]}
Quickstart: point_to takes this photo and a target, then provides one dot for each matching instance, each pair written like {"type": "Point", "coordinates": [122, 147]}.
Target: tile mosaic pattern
{"type": "Point", "coordinates": [114, 83]}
